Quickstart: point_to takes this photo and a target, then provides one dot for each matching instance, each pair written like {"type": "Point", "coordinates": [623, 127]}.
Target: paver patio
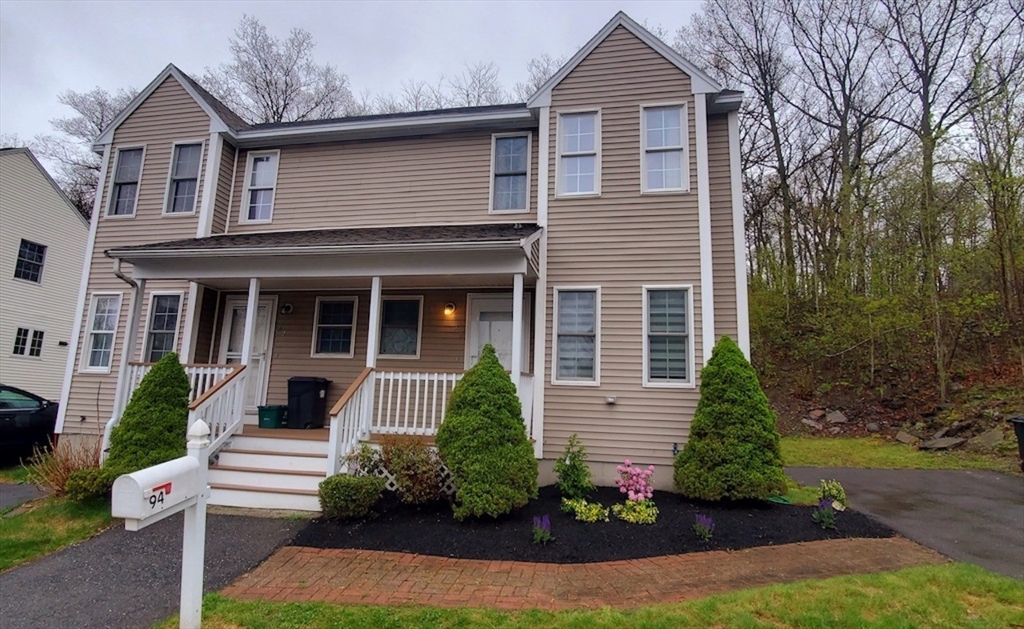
{"type": "Point", "coordinates": [386, 578]}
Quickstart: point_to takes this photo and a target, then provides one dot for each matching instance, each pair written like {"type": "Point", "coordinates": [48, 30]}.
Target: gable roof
{"type": "Point", "coordinates": [700, 81]}
{"type": "Point", "coordinates": [46, 175]}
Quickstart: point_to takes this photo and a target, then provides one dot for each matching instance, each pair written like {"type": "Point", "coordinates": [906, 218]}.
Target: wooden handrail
{"type": "Point", "coordinates": [423, 371]}
{"type": "Point", "coordinates": [217, 387]}
{"type": "Point", "coordinates": [352, 388]}
{"type": "Point", "coordinates": [136, 363]}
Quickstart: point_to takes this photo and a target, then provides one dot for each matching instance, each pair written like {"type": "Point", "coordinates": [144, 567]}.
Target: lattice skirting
{"type": "Point", "coordinates": [376, 468]}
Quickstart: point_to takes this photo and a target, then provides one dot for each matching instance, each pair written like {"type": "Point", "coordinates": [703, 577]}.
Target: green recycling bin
{"type": "Point", "coordinates": [273, 416]}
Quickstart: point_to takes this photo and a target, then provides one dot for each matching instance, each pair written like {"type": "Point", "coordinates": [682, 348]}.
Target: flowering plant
{"type": "Point", "coordinates": [832, 490]}
{"type": "Point", "coordinates": [825, 513]}
{"type": "Point", "coordinates": [585, 511]}
{"type": "Point", "coordinates": [542, 529]}
{"type": "Point", "coordinates": [636, 511]}
{"type": "Point", "coordinates": [704, 526]}
{"type": "Point", "coordinates": [637, 483]}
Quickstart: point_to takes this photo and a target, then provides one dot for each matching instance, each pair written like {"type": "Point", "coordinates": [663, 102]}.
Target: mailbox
{"type": "Point", "coordinates": [157, 492]}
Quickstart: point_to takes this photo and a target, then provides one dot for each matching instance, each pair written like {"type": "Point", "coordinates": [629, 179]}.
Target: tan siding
{"type": "Point", "coordinates": [207, 314]}
{"type": "Point", "coordinates": [167, 116]}
{"type": "Point", "coordinates": [724, 261]}
{"type": "Point", "coordinates": [622, 241]}
{"type": "Point", "coordinates": [223, 198]}
{"type": "Point", "coordinates": [405, 181]}
{"type": "Point", "coordinates": [32, 209]}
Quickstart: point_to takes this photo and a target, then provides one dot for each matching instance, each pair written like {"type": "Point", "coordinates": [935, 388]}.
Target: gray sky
{"type": "Point", "coordinates": [48, 46]}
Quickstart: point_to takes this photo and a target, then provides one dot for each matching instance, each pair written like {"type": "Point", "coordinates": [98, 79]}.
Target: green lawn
{"type": "Point", "coordinates": [951, 596]}
{"type": "Point", "coordinates": [49, 525]}
{"type": "Point", "coordinates": [14, 474]}
{"type": "Point", "coordinates": [873, 452]}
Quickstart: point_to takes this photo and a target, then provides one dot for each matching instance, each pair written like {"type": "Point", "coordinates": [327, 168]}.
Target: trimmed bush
{"type": "Point", "coordinates": [91, 483]}
{"type": "Point", "coordinates": [572, 470]}
{"type": "Point", "coordinates": [733, 451]}
{"type": "Point", "coordinates": [415, 467]}
{"type": "Point", "coordinates": [483, 442]}
{"type": "Point", "coordinates": [344, 496]}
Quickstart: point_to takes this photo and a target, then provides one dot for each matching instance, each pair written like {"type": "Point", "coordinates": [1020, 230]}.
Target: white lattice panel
{"type": "Point", "coordinates": [376, 468]}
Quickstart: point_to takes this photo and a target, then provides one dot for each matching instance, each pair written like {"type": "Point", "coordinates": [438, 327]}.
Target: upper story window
{"type": "Point", "coordinates": [104, 311]}
{"type": "Point", "coordinates": [667, 336]}
{"type": "Point", "coordinates": [184, 179]}
{"type": "Point", "coordinates": [260, 181]}
{"type": "Point", "coordinates": [577, 336]}
{"type": "Point", "coordinates": [666, 165]}
{"type": "Point", "coordinates": [401, 321]}
{"type": "Point", "coordinates": [29, 266]}
{"type": "Point", "coordinates": [334, 327]}
{"type": "Point", "coordinates": [511, 172]}
{"type": "Point", "coordinates": [124, 194]}
{"type": "Point", "coordinates": [162, 332]}
{"type": "Point", "coordinates": [579, 153]}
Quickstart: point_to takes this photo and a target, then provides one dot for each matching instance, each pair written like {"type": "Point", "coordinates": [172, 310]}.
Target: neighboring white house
{"type": "Point", "coordinates": [42, 247]}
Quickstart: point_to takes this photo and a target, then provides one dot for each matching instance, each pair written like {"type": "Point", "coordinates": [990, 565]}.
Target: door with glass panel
{"type": "Point", "coordinates": [490, 321]}
{"type": "Point", "coordinates": [232, 338]}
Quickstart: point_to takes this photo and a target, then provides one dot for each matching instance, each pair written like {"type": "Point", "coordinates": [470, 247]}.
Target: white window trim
{"type": "Point", "coordinates": [597, 155]}
{"type": "Point", "coordinates": [28, 343]}
{"type": "Point", "coordinates": [419, 329]}
{"type": "Point", "coordinates": [170, 172]}
{"type": "Point", "coordinates": [596, 382]}
{"type": "Point", "coordinates": [149, 320]}
{"type": "Point", "coordinates": [113, 175]}
{"type": "Point", "coordinates": [684, 122]}
{"type": "Point", "coordinates": [529, 171]}
{"type": "Point", "coordinates": [690, 383]}
{"type": "Point", "coordinates": [355, 319]}
{"type": "Point", "coordinates": [243, 210]}
{"type": "Point", "coordinates": [42, 265]}
{"type": "Point", "coordinates": [83, 361]}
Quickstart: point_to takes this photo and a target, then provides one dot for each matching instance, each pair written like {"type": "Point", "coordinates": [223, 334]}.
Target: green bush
{"type": "Point", "coordinates": [414, 466]}
{"type": "Point", "coordinates": [733, 450]}
{"type": "Point", "coordinates": [90, 483]}
{"type": "Point", "coordinates": [483, 442]}
{"type": "Point", "coordinates": [584, 511]}
{"type": "Point", "coordinates": [832, 490]}
{"type": "Point", "coordinates": [344, 496]}
{"type": "Point", "coordinates": [572, 470]}
{"type": "Point", "coordinates": [636, 511]}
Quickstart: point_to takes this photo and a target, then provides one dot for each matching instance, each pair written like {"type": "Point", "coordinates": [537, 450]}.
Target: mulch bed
{"type": "Point", "coordinates": [432, 530]}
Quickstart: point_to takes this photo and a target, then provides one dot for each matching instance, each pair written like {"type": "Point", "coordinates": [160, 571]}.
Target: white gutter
{"type": "Point", "coordinates": [129, 255]}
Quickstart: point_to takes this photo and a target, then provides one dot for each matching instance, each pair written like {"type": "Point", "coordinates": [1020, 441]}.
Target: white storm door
{"type": "Point", "coordinates": [490, 321]}
{"type": "Point", "coordinates": [232, 336]}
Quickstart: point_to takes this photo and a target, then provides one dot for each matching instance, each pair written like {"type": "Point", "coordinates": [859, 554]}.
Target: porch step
{"type": "Point", "coordinates": [271, 480]}
{"type": "Point", "coordinates": [279, 461]}
{"type": "Point", "coordinates": [280, 445]}
{"type": "Point", "coordinates": [229, 495]}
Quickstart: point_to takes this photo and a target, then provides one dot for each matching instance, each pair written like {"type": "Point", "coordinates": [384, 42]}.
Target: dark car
{"type": "Point", "coordinates": [25, 420]}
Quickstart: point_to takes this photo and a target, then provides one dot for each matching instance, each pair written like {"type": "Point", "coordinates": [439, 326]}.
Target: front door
{"type": "Point", "coordinates": [490, 321]}
{"type": "Point", "coordinates": [233, 335]}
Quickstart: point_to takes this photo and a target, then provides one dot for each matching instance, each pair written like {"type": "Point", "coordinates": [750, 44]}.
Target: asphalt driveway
{"type": "Point", "coordinates": [976, 516]}
{"type": "Point", "coordinates": [126, 580]}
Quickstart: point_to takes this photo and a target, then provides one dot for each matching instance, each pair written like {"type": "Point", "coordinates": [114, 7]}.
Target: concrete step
{"type": "Point", "coordinates": [268, 461]}
{"type": "Point", "coordinates": [228, 495]}
{"type": "Point", "coordinates": [278, 445]}
{"type": "Point", "coordinates": [265, 480]}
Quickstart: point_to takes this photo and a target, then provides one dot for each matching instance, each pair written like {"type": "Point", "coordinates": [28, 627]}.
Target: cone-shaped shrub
{"type": "Point", "coordinates": [151, 430]}
{"type": "Point", "coordinates": [733, 451]}
{"type": "Point", "coordinates": [483, 443]}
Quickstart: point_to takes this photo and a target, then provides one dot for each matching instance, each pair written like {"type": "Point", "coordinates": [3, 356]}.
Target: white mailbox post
{"type": "Point", "coordinates": [157, 492]}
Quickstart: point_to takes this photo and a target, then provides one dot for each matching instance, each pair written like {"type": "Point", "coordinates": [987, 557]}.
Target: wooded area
{"type": "Point", "coordinates": [883, 153]}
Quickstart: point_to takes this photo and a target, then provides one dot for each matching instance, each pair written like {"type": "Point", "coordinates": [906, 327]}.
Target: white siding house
{"type": "Point", "coordinates": [42, 246]}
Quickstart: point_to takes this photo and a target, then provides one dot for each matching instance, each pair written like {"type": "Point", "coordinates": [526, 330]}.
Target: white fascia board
{"type": "Point", "coordinates": [700, 81]}
{"type": "Point", "coordinates": [128, 256]}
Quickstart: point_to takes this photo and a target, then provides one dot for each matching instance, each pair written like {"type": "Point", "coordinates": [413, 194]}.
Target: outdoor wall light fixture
{"type": "Point", "coordinates": [286, 309]}
{"type": "Point", "coordinates": [449, 309]}
{"type": "Point", "coordinates": [611, 399]}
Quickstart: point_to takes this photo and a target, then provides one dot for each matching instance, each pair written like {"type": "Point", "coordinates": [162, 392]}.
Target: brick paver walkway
{"type": "Point", "coordinates": [385, 578]}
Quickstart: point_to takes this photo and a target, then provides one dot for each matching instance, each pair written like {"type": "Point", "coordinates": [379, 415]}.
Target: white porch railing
{"type": "Point", "coordinates": [411, 403]}
{"type": "Point", "coordinates": [222, 408]}
{"type": "Point", "coordinates": [348, 425]}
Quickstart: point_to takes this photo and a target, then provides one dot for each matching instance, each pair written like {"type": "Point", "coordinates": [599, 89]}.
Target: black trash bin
{"type": "Point", "coordinates": [1018, 430]}
{"type": "Point", "coordinates": [307, 402]}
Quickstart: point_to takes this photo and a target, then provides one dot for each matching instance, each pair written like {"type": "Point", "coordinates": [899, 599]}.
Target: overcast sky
{"type": "Point", "coordinates": [49, 46]}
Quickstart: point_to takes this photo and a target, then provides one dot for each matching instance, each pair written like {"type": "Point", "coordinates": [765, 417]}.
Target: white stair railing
{"type": "Point", "coordinates": [222, 408]}
{"type": "Point", "coordinates": [350, 422]}
{"type": "Point", "coordinates": [411, 403]}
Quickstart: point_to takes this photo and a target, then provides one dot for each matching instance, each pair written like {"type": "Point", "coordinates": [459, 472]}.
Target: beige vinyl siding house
{"type": "Point", "coordinates": [590, 234]}
{"type": "Point", "coordinates": [37, 304]}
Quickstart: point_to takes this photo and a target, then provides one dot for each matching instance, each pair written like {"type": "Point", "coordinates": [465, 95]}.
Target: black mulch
{"type": "Point", "coordinates": [432, 530]}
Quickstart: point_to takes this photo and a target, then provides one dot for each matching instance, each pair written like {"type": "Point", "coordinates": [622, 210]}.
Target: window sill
{"type": "Point", "coordinates": [329, 356]}
{"type": "Point", "coordinates": [95, 370]}
{"type": "Point", "coordinates": [192, 213]}
{"type": "Point", "coordinates": [399, 356]}
{"type": "Point", "coordinates": [669, 385]}
{"type": "Point", "coordinates": [493, 211]}
{"type": "Point", "coordinates": [667, 191]}
{"type": "Point", "coordinates": [581, 195]}
{"type": "Point", "coordinates": [29, 282]}
{"type": "Point", "coordinates": [119, 216]}
{"type": "Point", "coordinates": [247, 221]}
{"type": "Point", "coordinates": [575, 383]}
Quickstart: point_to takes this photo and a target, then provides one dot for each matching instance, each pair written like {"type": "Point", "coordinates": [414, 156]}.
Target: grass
{"type": "Point", "coordinates": [955, 596]}
{"type": "Point", "coordinates": [17, 474]}
{"type": "Point", "coordinates": [48, 525]}
{"type": "Point", "coordinates": [801, 494]}
{"type": "Point", "coordinates": [873, 452]}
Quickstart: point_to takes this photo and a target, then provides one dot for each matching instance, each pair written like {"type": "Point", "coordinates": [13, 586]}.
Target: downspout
{"type": "Point", "coordinates": [128, 350]}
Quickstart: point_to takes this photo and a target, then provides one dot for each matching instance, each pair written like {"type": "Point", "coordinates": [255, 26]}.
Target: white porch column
{"type": "Point", "coordinates": [250, 319]}
{"type": "Point", "coordinates": [517, 330]}
{"type": "Point", "coordinates": [131, 336]}
{"type": "Point", "coordinates": [373, 333]}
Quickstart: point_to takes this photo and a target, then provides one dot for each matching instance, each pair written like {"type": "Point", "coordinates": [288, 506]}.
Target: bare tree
{"type": "Point", "coordinates": [11, 141]}
{"type": "Point", "coordinates": [476, 85]}
{"type": "Point", "coordinates": [273, 80]}
{"type": "Point", "coordinates": [540, 69]}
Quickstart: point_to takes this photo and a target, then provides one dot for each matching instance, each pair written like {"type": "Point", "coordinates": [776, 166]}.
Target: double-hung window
{"type": "Point", "coordinates": [401, 323]}
{"type": "Point", "coordinates": [667, 346]}
{"type": "Point", "coordinates": [184, 179]}
{"type": "Point", "coordinates": [665, 158]}
{"type": "Point", "coordinates": [577, 336]}
{"type": "Point", "coordinates": [511, 164]}
{"type": "Point", "coordinates": [164, 311]}
{"type": "Point", "coordinates": [22, 346]}
{"type": "Point", "coordinates": [260, 182]}
{"type": "Point", "coordinates": [334, 327]}
{"type": "Point", "coordinates": [104, 311]}
{"type": "Point", "coordinates": [579, 153]}
{"type": "Point", "coordinates": [29, 266]}
{"type": "Point", "coordinates": [125, 192]}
